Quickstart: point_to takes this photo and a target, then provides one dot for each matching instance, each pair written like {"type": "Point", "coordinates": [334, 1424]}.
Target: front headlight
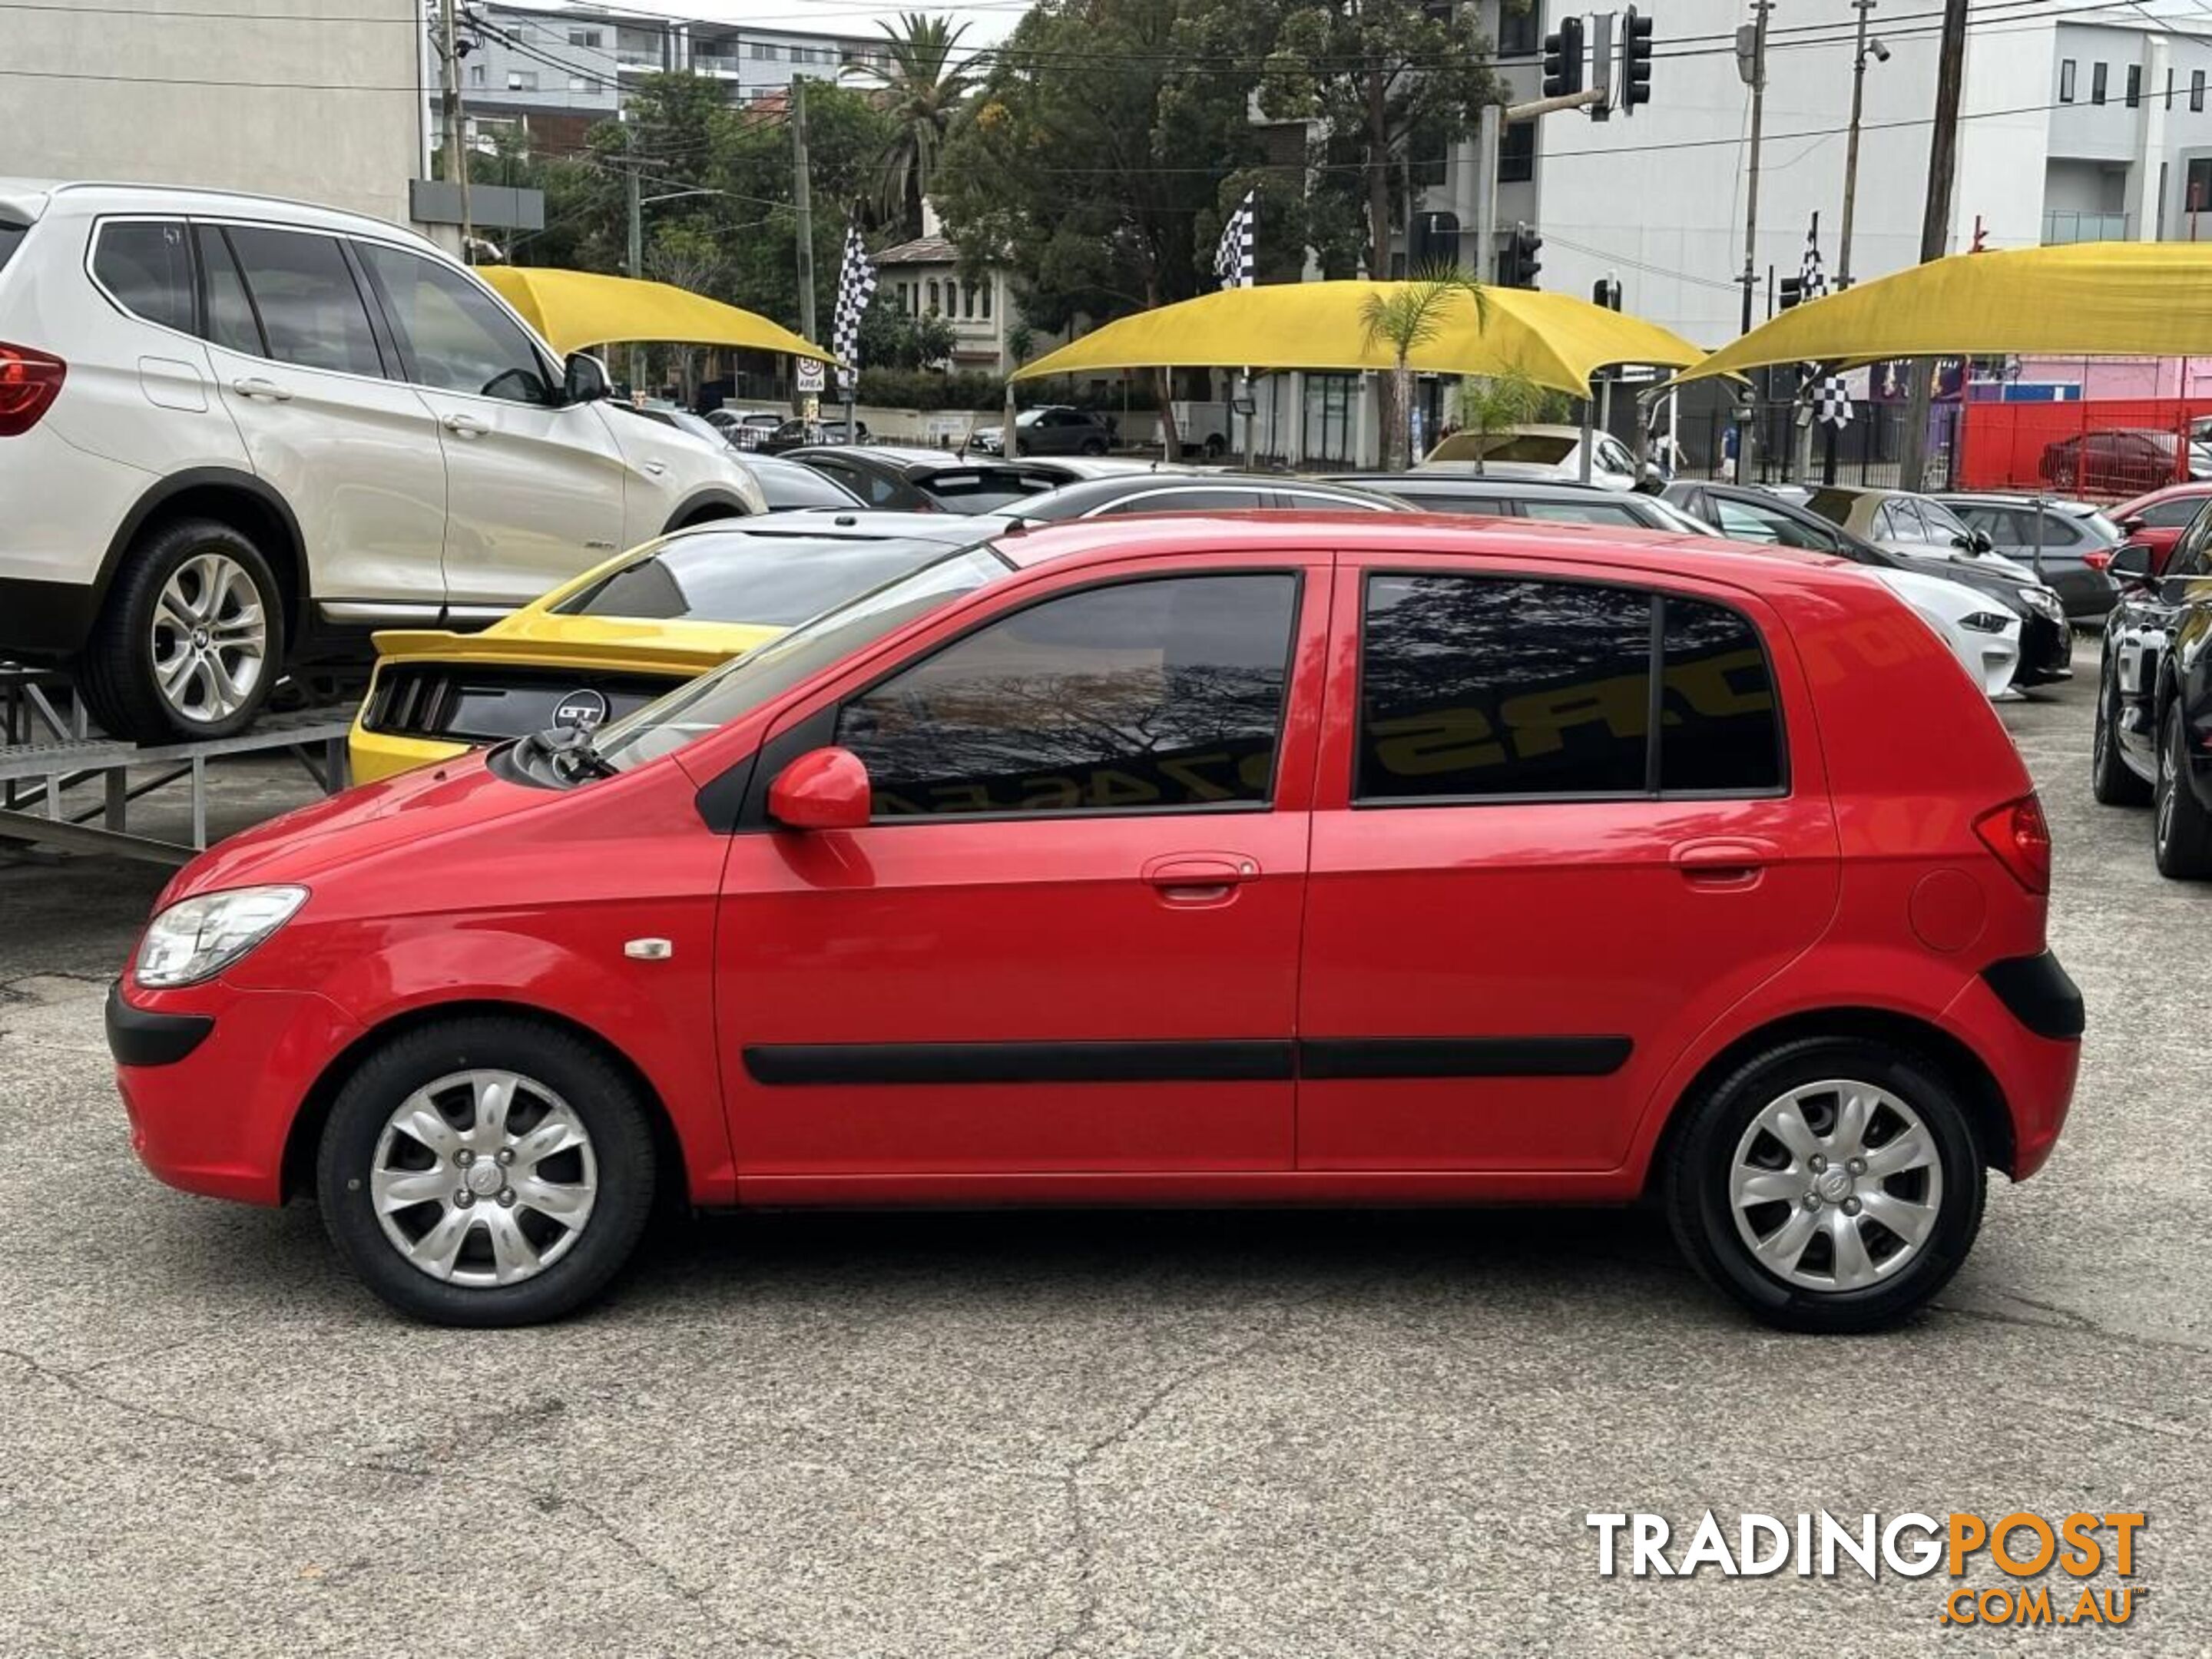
{"type": "Point", "coordinates": [200, 937]}
{"type": "Point", "coordinates": [2047, 603]}
{"type": "Point", "coordinates": [1986, 621]}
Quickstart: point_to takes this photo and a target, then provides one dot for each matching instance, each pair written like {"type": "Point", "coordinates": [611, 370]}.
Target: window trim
{"type": "Point", "coordinates": [2067, 73]}
{"type": "Point", "coordinates": [387, 353]}
{"type": "Point", "coordinates": [198, 331]}
{"type": "Point", "coordinates": [1655, 710]}
{"type": "Point", "coordinates": [824, 720]}
{"type": "Point", "coordinates": [403, 349]}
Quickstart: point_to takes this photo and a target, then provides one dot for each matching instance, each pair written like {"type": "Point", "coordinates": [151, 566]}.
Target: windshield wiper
{"type": "Point", "coordinates": [569, 753]}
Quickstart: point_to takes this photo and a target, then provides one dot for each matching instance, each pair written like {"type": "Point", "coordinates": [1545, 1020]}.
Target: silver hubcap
{"type": "Point", "coordinates": [2169, 767]}
{"type": "Point", "coordinates": [209, 638]}
{"type": "Point", "coordinates": [483, 1178]}
{"type": "Point", "coordinates": [1835, 1186]}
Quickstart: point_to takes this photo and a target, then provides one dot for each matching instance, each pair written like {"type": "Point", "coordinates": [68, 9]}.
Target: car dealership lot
{"type": "Point", "coordinates": [1000, 1434]}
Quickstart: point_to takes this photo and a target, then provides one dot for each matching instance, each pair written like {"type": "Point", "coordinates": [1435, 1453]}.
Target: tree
{"type": "Point", "coordinates": [1092, 160]}
{"type": "Point", "coordinates": [1407, 316]}
{"type": "Point", "coordinates": [1387, 78]}
{"type": "Point", "coordinates": [920, 93]}
{"type": "Point", "coordinates": [1498, 403]}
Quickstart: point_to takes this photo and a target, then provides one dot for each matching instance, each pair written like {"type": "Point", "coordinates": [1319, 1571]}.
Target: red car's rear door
{"type": "Point", "coordinates": [1068, 940]}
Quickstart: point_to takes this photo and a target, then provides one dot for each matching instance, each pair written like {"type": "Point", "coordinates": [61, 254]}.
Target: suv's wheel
{"type": "Point", "coordinates": [486, 1172]}
{"type": "Point", "coordinates": [1216, 446]}
{"type": "Point", "coordinates": [1094, 445]}
{"type": "Point", "coordinates": [1828, 1185]}
{"type": "Point", "coordinates": [2111, 780]}
{"type": "Point", "coordinates": [192, 641]}
{"type": "Point", "coordinates": [2181, 829]}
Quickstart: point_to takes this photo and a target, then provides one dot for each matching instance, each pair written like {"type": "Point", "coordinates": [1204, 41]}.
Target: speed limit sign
{"type": "Point", "coordinates": [809, 378]}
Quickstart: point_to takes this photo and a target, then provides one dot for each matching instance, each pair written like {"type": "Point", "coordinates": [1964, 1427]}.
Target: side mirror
{"type": "Point", "coordinates": [583, 379]}
{"type": "Point", "coordinates": [1980, 542]}
{"type": "Point", "coordinates": [2130, 563]}
{"type": "Point", "coordinates": [822, 789]}
{"type": "Point", "coordinates": [2130, 526]}
{"type": "Point", "coordinates": [1651, 479]}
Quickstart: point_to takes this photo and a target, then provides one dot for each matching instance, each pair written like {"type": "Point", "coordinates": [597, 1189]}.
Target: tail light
{"type": "Point", "coordinates": [29, 380]}
{"type": "Point", "coordinates": [2098, 557]}
{"type": "Point", "coordinates": [2017, 834]}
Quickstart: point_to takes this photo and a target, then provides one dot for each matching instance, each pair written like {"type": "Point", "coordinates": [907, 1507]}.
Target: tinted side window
{"type": "Point", "coordinates": [11, 237]}
{"type": "Point", "coordinates": [2168, 514]}
{"type": "Point", "coordinates": [1719, 728]}
{"type": "Point", "coordinates": [230, 321]}
{"type": "Point", "coordinates": [455, 336]}
{"type": "Point", "coordinates": [1612, 513]}
{"type": "Point", "coordinates": [311, 309]}
{"type": "Point", "coordinates": [1479, 686]}
{"type": "Point", "coordinates": [1166, 693]}
{"type": "Point", "coordinates": [147, 267]}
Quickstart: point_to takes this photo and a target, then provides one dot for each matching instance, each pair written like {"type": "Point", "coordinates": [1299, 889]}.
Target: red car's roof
{"type": "Point", "coordinates": [1645, 552]}
{"type": "Point", "coordinates": [2163, 493]}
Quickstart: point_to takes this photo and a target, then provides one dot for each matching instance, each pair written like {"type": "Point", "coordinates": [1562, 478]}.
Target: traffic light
{"type": "Point", "coordinates": [1793, 292]}
{"type": "Point", "coordinates": [1635, 60]}
{"type": "Point", "coordinates": [1606, 293]}
{"type": "Point", "coordinates": [1522, 263]}
{"type": "Point", "coordinates": [1563, 59]}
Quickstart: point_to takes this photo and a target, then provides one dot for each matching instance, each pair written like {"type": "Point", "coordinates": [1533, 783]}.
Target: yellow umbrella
{"type": "Point", "coordinates": [576, 308]}
{"type": "Point", "coordinates": [2092, 299]}
{"type": "Point", "coordinates": [1554, 339]}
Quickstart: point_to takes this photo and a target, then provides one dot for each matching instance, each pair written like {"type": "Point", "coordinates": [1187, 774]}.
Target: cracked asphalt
{"type": "Point", "coordinates": [1004, 1435]}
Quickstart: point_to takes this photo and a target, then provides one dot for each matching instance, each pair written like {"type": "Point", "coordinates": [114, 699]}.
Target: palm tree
{"type": "Point", "coordinates": [1408, 315]}
{"type": "Point", "coordinates": [922, 90]}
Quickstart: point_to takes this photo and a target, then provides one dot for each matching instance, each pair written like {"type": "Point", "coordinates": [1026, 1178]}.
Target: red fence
{"type": "Point", "coordinates": [2111, 448]}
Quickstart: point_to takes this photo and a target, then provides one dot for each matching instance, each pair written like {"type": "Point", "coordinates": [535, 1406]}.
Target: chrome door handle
{"type": "Point", "coordinates": [656, 468]}
{"type": "Point", "coordinates": [253, 386]}
{"type": "Point", "coordinates": [467, 425]}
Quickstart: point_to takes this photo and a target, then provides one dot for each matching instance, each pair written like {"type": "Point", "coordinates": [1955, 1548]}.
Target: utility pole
{"type": "Point", "coordinates": [1935, 226]}
{"type": "Point", "coordinates": [633, 255]}
{"type": "Point", "coordinates": [456, 150]}
{"type": "Point", "coordinates": [1757, 72]}
{"type": "Point", "coordinates": [1852, 146]}
{"type": "Point", "coordinates": [1490, 139]}
{"type": "Point", "coordinates": [802, 204]}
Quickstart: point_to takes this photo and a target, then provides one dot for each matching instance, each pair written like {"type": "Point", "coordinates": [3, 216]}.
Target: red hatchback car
{"type": "Point", "coordinates": [2157, 520]}
{"type": "Point", "coordinates": [1325, 860]}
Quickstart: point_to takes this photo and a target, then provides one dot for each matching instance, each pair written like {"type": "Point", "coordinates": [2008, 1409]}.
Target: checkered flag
{"type": "Point", "coordinates": [1829, 397]}
{"type": "Point", "coordinates": [856, 286]}
{"type": "Point", "coordinates": [1232, 258]}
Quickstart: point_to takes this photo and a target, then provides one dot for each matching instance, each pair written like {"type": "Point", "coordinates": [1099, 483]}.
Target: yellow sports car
{"type": "Point", "coordinates": [637, 627]}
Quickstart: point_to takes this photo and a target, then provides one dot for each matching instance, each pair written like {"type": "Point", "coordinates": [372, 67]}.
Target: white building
{"type": "Point", "coordinates": [317, 99]}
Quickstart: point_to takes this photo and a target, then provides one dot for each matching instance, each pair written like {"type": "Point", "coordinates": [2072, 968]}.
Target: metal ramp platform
{"type": "Point", "coordinates": [51, 765]}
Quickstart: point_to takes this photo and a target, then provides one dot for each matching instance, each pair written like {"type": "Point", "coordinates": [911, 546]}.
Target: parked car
{"type": "Point", "coordinates": [1925, 536]}
{"type": "Point", "coordinates": [1033, 877]}
{"type": "Point", "coordinates": [1503, 497]}
{"type": "Point", "coordinates": [2136, 678]}
{"type": "Point", "coordinates": [797, 433]}
{"type": "Point", "coordinates": [1049, 430]}
{"type": "Point", "coordinates": [236, 432]}
{"type": "Point", "coordinates": [600, 647]}
{"type": "Point", "coordinates": [746, 428]}
{"type": "Point", "coordinates": [1538, 452]}
{"type": "Point", "coordinates": [2121, 462]}
{"type": "Point", "coordinates": [2157, 520]}
{"type": "Point", "coordinates": [2064, 545]}
{"type": "Point", "coordinates": [2180, 712]}
{"type": "Point", "coordinates": [1983, 635]}
{"type": "Point", "coordinates": [1195, 492]}
{"type": "Point", "coordinates": [896, 479]}
{"type": "Point", "coordinates": [792, 486]}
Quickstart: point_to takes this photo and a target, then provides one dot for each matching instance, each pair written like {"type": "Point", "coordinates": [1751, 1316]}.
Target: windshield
{"type": "Point", "coordinates": [1536, 448]}
{"type": "Point", "coordinates": [1941, 521]}
{"type": "Point", "coordinates": [745, 683]}
{"type": "Point", "coordinates": [771, 579]}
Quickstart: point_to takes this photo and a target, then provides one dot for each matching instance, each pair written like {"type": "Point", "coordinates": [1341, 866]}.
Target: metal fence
{"type": "Point", "coordinates": [1867, 450]}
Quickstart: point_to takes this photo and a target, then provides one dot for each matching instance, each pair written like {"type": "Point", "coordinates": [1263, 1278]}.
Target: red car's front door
{"type": "Point", "coordinates": [1522, 907]}
{"type": "Point", "coordinates": [1067, 940]}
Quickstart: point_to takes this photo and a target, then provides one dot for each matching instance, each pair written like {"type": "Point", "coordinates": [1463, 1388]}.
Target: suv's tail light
{"type": "Point", "coordinates": [2098, 557]}
{"type": "Point", "coordinates": [29, 381]}
{"type": "Point", "coordinates": [2017, 834]}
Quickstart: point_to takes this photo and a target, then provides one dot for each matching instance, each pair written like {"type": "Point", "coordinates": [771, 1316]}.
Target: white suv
{"type": "Point", "coordinates": [236, 433]}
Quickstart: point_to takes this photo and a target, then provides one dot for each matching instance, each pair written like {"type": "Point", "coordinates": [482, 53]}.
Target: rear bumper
{"type": "Point", "coordinates": [374, 754]}
{"type": "Point", "coordinates": [44, 621]}
{"type": "Point", "coordinates": [2034, 1067]}
{"type": "Point", "coordinates": [213, 1116]}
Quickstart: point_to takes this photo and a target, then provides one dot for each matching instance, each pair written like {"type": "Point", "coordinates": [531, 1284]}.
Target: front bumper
{"type": "Point", "coordinates": [213, 1076]}
{"type": "Point", "coordinates": [2046, 650]}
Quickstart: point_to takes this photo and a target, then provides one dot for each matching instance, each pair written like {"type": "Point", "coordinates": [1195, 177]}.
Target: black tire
{"type": "Point", "coordinates": [1094, 446]}
{"type": "Point", "coordinates": [2111, 780]}
{"type": "Point", "coordinates": [2181, 829]}
{"type": "Point", "coordinates": [1216, 447]}
{"type": "Point", "coordinates": [116, 672]}
{"type": "Point", "coordinates": [596, 1092]}
{"type": "Point", "coordinates": [1695, 1184]}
